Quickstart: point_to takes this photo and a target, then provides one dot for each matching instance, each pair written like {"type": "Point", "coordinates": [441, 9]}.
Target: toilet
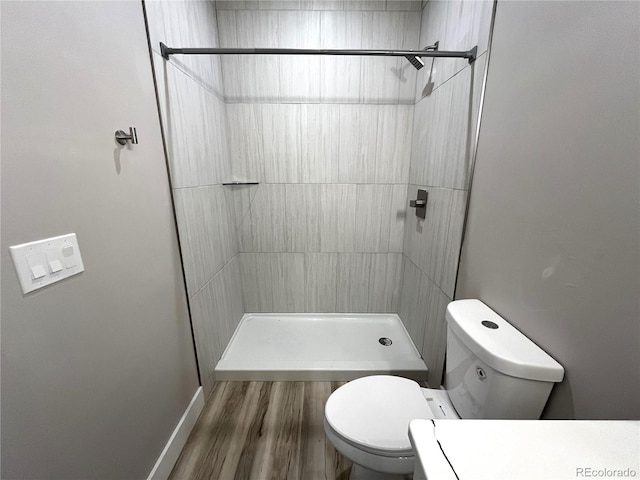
{"type": "Point", "coordinates": [492, 372]}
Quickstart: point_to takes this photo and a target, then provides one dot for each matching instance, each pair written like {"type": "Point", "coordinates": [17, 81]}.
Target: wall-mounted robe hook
{"type": "Point", "coordinates": [122, 138]}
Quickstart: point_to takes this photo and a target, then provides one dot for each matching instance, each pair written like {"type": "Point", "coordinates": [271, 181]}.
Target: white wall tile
{"type": "Point", "coordinates": [413, 303]}
{"type": "Point", "coordinates": [404, 5]}
{"type": "Point", "coordinates": [337, 218]}
{"type": "Point", "coordinates": [328, 4]}
{"type": "Point", "coordinates": [239, 198]}
{"type": "Point", "coordinates": [303, 217]}
{"type": "Point", "coordinates": [379, 217]}
{"type": "Point", "coordinates": [282, 137]}
{"type": "Point", "coordinates": [222, 5]}
{"type": "Point", "coordinates": [445, 116]}
{"type": "Point", "coordinates": [422, 309]}
{"type": "Point", "coordinates": [444, 131]}
{"type": "Point", "coordinates": [263, 228]}
{"type": "Point", "coordinates": [381, 76]}
{"type": "Point", "coordinates": [288, 281]}
{"type": "Point", "coordinates": [256, 276]}
{"type": "Point", "coordinates": [398, 214]}
{"type": "Point", "coordinates": [358, 138]}
{"type": "Point", "coordinates": [245, 137]}
{"type": "Point", "coordinates": [193, 121]}
{"type": "Point", "coordinates": [435, 334]}
{"type": "Point", "coordinates": [458, 25]}
{"type": "Point", "coordinates": [353, 282]}
{"type": "Point", "coordinates": [373, 215]}
{"type": "Point", "coordinates": [166, 24]}
{"type": "Point", "coordinates": [299, 74]}
{"type": "Point", "coordinates": [364, 4]}
{"type": "Point", "coordinates": [320, 130]}
{"type": "Point", "coordinates": [320, 282]}
{"type": "Point", "coordinates": [207, 233]}
{"type": "Point", "coordinates": [205, 332]}
{"type": "Point", "coordinates": [385, 279]}
{"type": "Point", "coordinates": [410, 41]}
{"type": "Point", "coordinates": [447, 280]}
{"type": "Point", "coordinates": [393, 144]}
{"type": "Point", "coordinates": [375, 143]}
{"type": "Point", "coordinates": [468, 25]}
{"type": "Point", "coordinates": [231, 65]}
{"type": "Point", "coordinates": [216, 311]}
{"type": "Point", "coordinates": [377, 147]}
{"type": "Point", "coordinates": [341, 76]}
{"type": "Point", "coordinates": [433, 29]}
{"type": "Point", "coordinates": [418, 142]}
{"type": "Point", "coordinates": [425, 240]}
{"type": "Point", "coordinates": [259, 74]}
{"type": "Point", "coordinates": [175, 94]}
{"type": "Point", "coordinates": [279, 4]}
{"type": "Point", "coordinates": [228, 301]}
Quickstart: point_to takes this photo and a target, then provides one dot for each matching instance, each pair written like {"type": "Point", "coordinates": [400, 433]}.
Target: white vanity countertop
{"type": "Point", "coordinates": [525, 449]}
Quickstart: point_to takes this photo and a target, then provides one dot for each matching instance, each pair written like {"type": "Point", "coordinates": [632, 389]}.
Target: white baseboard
{"type": "Point", "coordinates": [172, 449]}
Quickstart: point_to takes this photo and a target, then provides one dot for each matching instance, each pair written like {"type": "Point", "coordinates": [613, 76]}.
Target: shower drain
{"type": "Point", "coordinates": [385, 341]}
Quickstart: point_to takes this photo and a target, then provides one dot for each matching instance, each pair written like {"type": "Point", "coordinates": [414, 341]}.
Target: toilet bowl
{"type": "Point", "coordinates": [492, 371]}
{"type": "Point", "coordinates": [366, 421]}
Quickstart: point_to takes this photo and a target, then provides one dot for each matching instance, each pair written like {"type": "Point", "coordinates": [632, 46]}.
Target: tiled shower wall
{"type": "Point", "coordinates": [193, 116]}
{"type": "Point", "coordinates": [333, 142]}
{"type": "Point", "coordinates": [447, 104]}
{"type": "Point", "coordinates": [329, 140]}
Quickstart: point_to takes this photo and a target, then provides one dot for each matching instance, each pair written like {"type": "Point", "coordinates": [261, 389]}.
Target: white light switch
{"type": "Point", "coordinates": [47, 261]}
{"type": "Point", "coordinates": [37, 271]}
{"type": "Point", "coordinates": [55, 266]}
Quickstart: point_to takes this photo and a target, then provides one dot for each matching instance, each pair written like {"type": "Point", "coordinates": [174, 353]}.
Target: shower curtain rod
{"type": "Point", "coordinates": [167, 51]}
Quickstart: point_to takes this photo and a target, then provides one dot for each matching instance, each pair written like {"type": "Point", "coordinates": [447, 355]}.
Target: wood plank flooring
{"type": "Point", "coordinates": [262, 431]}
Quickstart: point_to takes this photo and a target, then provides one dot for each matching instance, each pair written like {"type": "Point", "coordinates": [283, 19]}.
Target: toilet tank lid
{"type": "Point", "coordinates": [503, 348]}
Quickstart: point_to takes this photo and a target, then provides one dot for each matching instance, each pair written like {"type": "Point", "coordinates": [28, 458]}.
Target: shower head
{"type": "Point", "coordinates": [415, 61]}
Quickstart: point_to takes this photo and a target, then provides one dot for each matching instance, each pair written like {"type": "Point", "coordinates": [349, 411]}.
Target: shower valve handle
{"type": "Point", "coordinates": [420, 203]}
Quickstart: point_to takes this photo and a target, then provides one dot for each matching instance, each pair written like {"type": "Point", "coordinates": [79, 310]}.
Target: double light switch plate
{"type": "Point", "coordinates": [47, 261]}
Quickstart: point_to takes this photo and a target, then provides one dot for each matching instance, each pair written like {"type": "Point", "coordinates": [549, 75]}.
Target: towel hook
{"type": "Point", "coordinates": [122, 138]}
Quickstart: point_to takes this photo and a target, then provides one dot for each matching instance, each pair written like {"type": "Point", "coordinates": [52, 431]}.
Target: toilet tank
{"type": "Point", "coordinates": [493, 370]}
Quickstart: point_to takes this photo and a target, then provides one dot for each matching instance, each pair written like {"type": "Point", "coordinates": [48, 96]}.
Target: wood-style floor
{"type": "Point", "coordinates": [262, 431]}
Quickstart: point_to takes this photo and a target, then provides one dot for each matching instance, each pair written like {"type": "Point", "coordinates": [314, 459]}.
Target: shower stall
{"type": "Point", "coordinates": [297, 134]}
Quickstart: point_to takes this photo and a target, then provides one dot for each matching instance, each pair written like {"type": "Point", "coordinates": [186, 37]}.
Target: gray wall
{"type": "Point", "coordinates": [194, 120]}
{"type": "Point", "coordinates": [553, 242]}
{"type": "Point", "coordinates": [447, 99]}
{"type": "Point", "coordinates": [97, 369]}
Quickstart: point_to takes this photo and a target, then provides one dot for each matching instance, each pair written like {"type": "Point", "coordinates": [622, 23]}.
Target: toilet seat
{"type": "Point", "coordinates": [373, 414]}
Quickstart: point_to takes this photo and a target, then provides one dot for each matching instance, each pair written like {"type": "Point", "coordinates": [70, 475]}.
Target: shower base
{"type": "Point", "coordinates": [319, 347]}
